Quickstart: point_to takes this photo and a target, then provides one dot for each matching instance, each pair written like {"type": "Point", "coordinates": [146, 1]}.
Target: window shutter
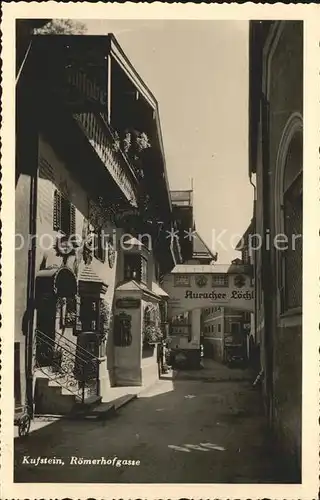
{"type": "Point", "coordinates": [78, 323]}
{"type": "Point", "coordinates": [72, 219]}
{"type": "Point", "coordinates": [56, 211]}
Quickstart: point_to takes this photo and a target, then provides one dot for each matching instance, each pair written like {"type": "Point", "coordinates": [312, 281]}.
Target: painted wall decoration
{"type": "Point", "coordinates": [239, 281]}
{"type": "Point", "coordinates": [201, 281]}
{"type": "Point", "coordinates": [122, 330]}
{"type": "Point", "coordinates": [65, 246]}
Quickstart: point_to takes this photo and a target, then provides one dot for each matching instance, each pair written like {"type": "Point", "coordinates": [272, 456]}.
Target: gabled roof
{"type": "Point", "coordinates": [134, 286]}
{"type": "Point", "coordinates": [89, 275]}
{"type": "Point", "coordinates": [244, 239]}
{"type": "Point", "coordinates": [134, 242]}
{"type": "Point", "coordinates": [200, 249]}
{"type": "Point", "coordinates": [129, 286]}
{"type": "Point", "coordinates": [158, 290]}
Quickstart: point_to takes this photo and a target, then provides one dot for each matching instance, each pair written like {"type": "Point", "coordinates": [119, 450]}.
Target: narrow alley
{"type": "Point", "coordinates": [204, 426]}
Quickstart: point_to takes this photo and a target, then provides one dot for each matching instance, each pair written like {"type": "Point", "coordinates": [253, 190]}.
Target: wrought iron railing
{"type": "Point", "coordinates": [68, 364]}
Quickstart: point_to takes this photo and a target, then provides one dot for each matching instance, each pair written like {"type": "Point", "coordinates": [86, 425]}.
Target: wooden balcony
{"type": "Point", "coordinates": [101, 139]}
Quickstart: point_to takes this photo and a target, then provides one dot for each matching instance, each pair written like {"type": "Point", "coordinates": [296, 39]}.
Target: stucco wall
{"type": "Point", "coordinates": [285, 97]}
{"type": "Point", "coordinates": [54, 174]}
{"type": "Point", "coordinates": [127, 359]}
{"type": "Point", "coordinates": [22, 209]}
{"type": "Point", "coordinates": [214, 340]}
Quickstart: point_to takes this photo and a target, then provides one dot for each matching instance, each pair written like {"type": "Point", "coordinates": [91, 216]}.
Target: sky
{"type": "Point", "coordinates": [198, 72]}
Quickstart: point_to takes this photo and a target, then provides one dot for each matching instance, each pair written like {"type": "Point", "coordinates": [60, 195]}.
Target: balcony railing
{"type": "Point", "coordinates": [68, 364]}
{"type": "Point", "coordinates": [102, 141]}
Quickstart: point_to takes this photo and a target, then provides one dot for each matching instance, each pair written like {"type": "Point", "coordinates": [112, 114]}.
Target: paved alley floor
{"type": "Point", "coordinates": [203, 426]}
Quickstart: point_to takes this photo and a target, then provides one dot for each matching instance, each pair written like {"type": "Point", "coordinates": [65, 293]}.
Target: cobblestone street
{"type": "Point", "coordinates": [203, 426]}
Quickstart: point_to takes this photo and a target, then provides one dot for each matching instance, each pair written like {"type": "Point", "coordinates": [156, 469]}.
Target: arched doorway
{"type": "Point", "coordinates": [53, 285]}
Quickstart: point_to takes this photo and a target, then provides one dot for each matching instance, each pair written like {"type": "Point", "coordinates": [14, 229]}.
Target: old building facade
{"type": "Point", "coordinates": [276, 153]}
{"type": "Point", "coordinates": [93, 214]}
{"type": "Point", "coordinates": [224, 330]}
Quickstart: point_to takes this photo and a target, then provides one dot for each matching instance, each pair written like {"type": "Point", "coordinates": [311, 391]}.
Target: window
{"type": "Point", "coordinates": [135, 268]}
{"type": "Point", "coordinates": [100, 245]}
{"type": "Point", "coordinates": [290, 257]}
{"type": "Point", "coordinates": [246, 317]}
{"type": "Point", "coordinates": [219, 328]}
{"type": "Point", "coordinates": [89, 314]}
{"type": "Point", "coordinates": [163, 308]}
{"type": "Point", "coordinates": [293, 256]}
{"type": "Point", "coordinates": [64, 214]}
{"type": "Point", "coordinates": [235, 328]}
{"type": "Point", "coordinates": [181, 280]}
{"type": "Point", "coordinates": [220, 280]}
{"type": "Point", "coordinates": [144, 270]}
{"type": "Point", "coordinates": [245, 256]}
{"type": "Point", "coordinates": [132, 267]}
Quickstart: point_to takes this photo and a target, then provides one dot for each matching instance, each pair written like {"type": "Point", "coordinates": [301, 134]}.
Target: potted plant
{"type": "Point", "coordinates": [105, 318]}
{"type": "Point", "coordinates": [152, 334]}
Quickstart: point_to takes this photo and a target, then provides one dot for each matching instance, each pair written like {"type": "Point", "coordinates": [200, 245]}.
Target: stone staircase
{"type": "Point", "coordinates": [54, 400]}
{"type": "Point", "coordinates": [66, 383]}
